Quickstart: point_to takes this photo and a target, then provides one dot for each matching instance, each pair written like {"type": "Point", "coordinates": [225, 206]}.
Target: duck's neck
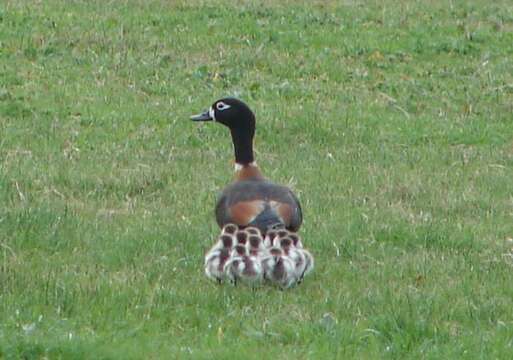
{"type": "Point", "coordinates": [243, 146]}
{"type": "Point", "coordinates": [245, 166]}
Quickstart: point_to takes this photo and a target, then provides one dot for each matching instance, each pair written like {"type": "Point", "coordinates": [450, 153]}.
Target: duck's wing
{"type": "Point", "coordinates": [259, 203]}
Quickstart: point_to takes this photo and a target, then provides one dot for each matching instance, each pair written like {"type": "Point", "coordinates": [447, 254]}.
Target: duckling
{"type": "Point", "coordinates": [279, 269]}
{"type": "Point", "coordinates": [255, 245]}
{"type": "Point", "coordinates": [297, 257]}
{"type": "Point", "coordinates": [251, 200]}
{"type": "Point", "coordinates": [224, 241]}
{"type": "Point", "coordinates": [215, 262]}
{"type": "Point", "coordinates": [241, 237]}
{"type": "Point", "coordinates": [243, 268]}
{"type": "Point", "coordinates": [309, 263]}
{"type": "Point", "coordinates": [282, 233]}
{"type": "Point", "coordinates": [217, 256]}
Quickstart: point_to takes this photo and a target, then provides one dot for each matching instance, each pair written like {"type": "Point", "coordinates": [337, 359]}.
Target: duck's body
{"type": "Point", "coordinates": [259, 203]}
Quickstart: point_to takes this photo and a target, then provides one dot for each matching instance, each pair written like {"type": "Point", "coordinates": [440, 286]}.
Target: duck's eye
{"type": "Point", "coordinates": [222, 106]}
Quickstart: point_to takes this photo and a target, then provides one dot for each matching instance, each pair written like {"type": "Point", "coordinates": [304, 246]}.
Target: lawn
{"type": "Point", "coordinates": [392, 121]}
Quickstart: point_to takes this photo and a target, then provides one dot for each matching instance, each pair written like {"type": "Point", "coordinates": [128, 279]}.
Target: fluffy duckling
{"type": "Point", "coordinates": [217, 256]}
{"type": "Point", "coordinates": [215, 262]}
{"type": "Point", "coordinates": [279, 269]}
{"type": "Point", "coordinates": [224, 241]}
{"type": "Point", "coordinates": [242, 237]}
{"type": "Point", "coordinates": [255, 245]}
{"type": "Point", "coordinates": [297, 256]}
{"type": "Point", "coordinates": [309, 263]}
{"type": "Point", "coordinates": [243, 268]}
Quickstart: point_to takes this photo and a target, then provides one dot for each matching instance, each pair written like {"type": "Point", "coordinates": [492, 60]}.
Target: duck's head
{"type": "Point", "coordinates": [231, 112]}
{"type": "Point", "coordinates": [239, 118]}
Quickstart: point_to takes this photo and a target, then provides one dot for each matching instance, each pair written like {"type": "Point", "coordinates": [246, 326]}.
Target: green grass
{"type": "Point", "coordinates": [392, 121]}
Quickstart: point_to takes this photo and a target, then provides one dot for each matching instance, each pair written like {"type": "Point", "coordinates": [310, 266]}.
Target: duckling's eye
{"type": "Point", "coordinates": [222, 106]}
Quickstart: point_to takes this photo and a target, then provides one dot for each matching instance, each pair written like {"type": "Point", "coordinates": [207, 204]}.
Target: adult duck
{"type": "Point", "coordinates": [250, 200]}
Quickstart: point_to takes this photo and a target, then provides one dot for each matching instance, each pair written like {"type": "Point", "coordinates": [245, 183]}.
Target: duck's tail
{"type": "Point", "coordinates": [267, 220]}
{"type": "Point", "coordinates": [249, 255]}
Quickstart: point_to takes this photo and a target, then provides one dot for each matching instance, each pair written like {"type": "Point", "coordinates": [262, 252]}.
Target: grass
{"type": "Point", "coordinates": [391, 120]}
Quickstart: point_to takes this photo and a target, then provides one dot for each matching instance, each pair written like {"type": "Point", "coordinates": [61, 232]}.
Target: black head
{"type": "Point", "coordinates": [230, 112]}
{"type": "Point", "coordinates": [239, 118]}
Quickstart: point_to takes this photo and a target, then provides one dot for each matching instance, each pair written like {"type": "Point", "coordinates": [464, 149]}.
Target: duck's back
{"type": "Point", "coordinates": [259, 203]}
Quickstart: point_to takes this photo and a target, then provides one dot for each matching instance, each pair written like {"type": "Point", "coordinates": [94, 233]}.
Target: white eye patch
{"type": "Point", "coordinates": [212, 113]}
{"type": "Point", "coordinates": [222, 106]}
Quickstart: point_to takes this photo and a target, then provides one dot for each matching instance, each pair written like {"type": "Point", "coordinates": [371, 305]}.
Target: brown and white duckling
{"type": "Point", "coordinates": [243, 268]}
{"type": "Point", "coordinates": [224, 241]}
{"type": "Point", "coordinates": [241, 237]}
{"type": "Point", "coordinates": [215, 261]}
{"type": "Point", "coordinates": [296, 255]}
{"type": "Point", "coordinates": [255, 245]}
{"type": "Point", "coordinates": [279, 268]}
{"type": "Point", "coordinates": [309, 263]}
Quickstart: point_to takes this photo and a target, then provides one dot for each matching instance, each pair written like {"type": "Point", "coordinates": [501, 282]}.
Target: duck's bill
{"type": "Point", "coordinates": [204, 116]}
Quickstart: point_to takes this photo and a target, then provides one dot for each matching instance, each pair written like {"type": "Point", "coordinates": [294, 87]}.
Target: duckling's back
{"type": "Point", "coordinates": [259, 203]}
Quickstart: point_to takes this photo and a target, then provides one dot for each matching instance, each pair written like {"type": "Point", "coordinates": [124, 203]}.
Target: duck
{"type": "Point", "coordinates": [251, 200]}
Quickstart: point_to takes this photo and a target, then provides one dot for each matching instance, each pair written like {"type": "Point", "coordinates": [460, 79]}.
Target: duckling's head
{"type": "Point", "coordinates": [255, 241]}
{"type": "Point", "coordinates": [282, 233]}
{"type": "Point", "coordinates": [253, 231]}
{"type": "Point", "coordinates": [286, 242]}
{"type": "Point", "coordinates": [239, 250]}
{"type": "Point", "coordinates": [229, 229]}
{"type": "Point", "coordinates": [242, 237]}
